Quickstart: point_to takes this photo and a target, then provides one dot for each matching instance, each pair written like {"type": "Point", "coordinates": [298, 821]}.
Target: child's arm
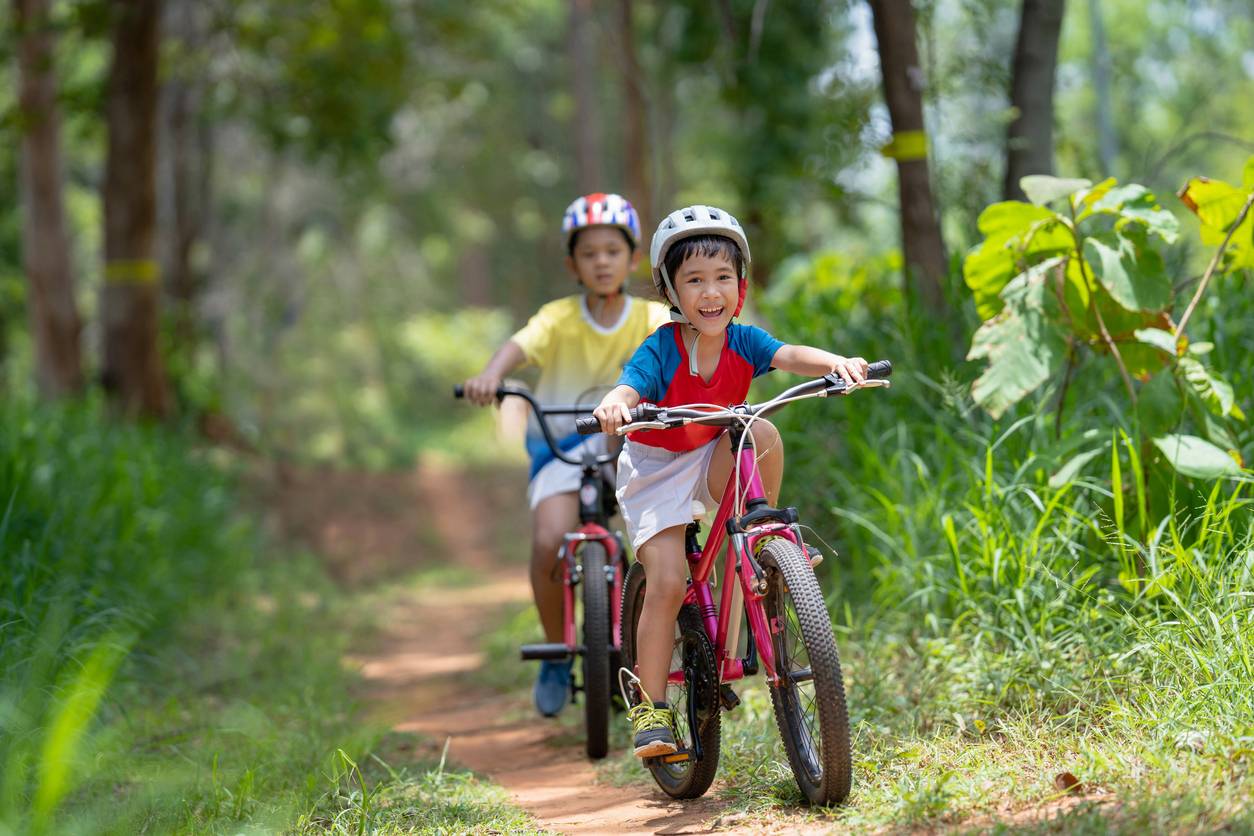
{"type": "Point", "coordinates": [804, 359]}
{"type": "Point", "coordinates": [613, 411]}
{"type": "Point", "coordinates": [481, 389]}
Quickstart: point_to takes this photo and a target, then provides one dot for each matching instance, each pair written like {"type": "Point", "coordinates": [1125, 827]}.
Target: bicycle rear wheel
{"type": "Point", "coordinates": [809, 700]}
{"type": "Point", "coordinates": [696, 697]}
{"type": "Point", "coordinates": [596, 654]}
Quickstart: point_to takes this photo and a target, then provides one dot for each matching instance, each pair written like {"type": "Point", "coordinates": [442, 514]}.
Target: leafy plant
{"type": "Point", "coordinates": [1054, 286]}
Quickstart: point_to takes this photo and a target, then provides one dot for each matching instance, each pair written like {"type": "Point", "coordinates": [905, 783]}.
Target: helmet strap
{"type": "Point", "coordinates": [677, 315]}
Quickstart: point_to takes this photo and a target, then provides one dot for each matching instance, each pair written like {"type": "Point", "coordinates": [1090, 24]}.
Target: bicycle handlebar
{"type": "Point", "coordinates": [668, 417]}
{"type": "Point", "coordinates": [459, 391]}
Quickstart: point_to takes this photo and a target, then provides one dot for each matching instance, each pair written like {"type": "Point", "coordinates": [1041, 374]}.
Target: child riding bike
{"type": "Point", "coordinates": [579, 343]}
{"type": "Point", "coordinates": [700, 259]}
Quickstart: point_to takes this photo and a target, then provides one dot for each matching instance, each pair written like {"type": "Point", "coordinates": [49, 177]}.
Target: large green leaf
{"type": "Point", "coordinates": [1156, 219]}
{"type": "Point", "coordinates": [1159, 338]}
{"type": "Point", "coordinates": [1042, 189]}
{"type": "Point", "coordinates": [1015, 233]}
{"type": "Point", "coordinates": [1217, 205]}
{"type": "Point", "coordinates": [1116, 197]}
{"type": "Point", "coordinates": [1132, 203]}
{"type": "Point", "coordinates": [1022, 345]}
{"type": "Point", "coordinates": [1214, 391]}
{"type": "Point", "coordinates": [1196, 457]}
{"type": "Point", "coordinates": [1134, 276]}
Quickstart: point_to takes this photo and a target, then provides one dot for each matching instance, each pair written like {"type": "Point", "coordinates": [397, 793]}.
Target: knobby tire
{"type": "Point", "coordinates": [812, 716]}
{"type": "Point", "coordinates": [597, 646]}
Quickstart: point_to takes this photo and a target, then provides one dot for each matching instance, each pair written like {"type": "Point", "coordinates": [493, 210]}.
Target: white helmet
{"type": "Point", "coordinates": [688, 223]}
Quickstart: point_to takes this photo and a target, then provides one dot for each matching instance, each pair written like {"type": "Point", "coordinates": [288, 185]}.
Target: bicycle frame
{"type": "Point", "coordinates": [592, 528]}
{"type": "Point", "coordinates": [729, 527]}
{"type": "Point", "coordinates": [594, 514]}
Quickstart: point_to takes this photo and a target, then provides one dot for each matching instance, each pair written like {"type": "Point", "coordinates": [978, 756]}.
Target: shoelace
{"type": "Point", "coordinates": [644, 715]}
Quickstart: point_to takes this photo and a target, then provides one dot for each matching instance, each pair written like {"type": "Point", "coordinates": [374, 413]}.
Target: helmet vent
{"type": "Point", "coordinates": [689, 215]}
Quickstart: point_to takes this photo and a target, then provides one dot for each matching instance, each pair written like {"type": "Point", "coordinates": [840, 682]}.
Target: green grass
{"type": "Point", "coordinates": [410, 792]}
{"type": "Point", "coordinates": [164, 668]}
{"type": "Point", "coordinates": [1001, 625]}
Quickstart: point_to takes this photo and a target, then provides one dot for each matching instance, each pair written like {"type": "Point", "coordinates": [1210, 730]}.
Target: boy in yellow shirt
{"type": "Point", "coordinates": [579, 343]}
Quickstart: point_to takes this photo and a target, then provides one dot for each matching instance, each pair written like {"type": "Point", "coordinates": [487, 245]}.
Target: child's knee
{"type": "Point", "coordinates": [766, 437]}
{"type": "Point", "coordinates": [668, 584]}
{"type": "Point", "coordinates": [546, 540]}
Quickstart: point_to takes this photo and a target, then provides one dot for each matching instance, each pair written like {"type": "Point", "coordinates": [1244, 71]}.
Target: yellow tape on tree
{"type": "Point", "coordinates": [132, 271]}
{"type": "Point", "coordinates": [906, 146]}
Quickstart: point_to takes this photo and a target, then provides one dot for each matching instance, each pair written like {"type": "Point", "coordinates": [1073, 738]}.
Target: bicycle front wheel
{"type": "Point", "coordinates": [596, 653]}
{"type": "Point", "coordinates": [809, 698]}
{"type": "Point", "coordinates": [695, 698]}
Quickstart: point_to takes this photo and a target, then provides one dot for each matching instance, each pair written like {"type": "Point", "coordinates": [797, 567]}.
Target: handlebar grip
{"type": "Point", "coordinates": [590, 425]}
{"type": "Point", "coordinates": [879, 370]}
{"type": "Point", "coordinates": [459, 391]}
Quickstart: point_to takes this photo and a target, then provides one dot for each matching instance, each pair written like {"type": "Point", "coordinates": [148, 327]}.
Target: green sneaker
{"type": "Point", "coordinates": [652, 723]}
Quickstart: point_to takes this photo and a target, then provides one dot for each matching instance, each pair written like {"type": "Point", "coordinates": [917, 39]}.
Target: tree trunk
{"type": "Point", "coordinates": [1030, 139]}
{"type": "Point", "coordinates": [587, 127]}
{"type": "Point", "coordinates": [134, 377]}
{"type": "Point", "coordinates": [186, 146]}
{"type": "Point", "coordinates": [923, 249]}
{"type": "Point", "coordinates": [54, 321]}
{"type": "Point", "coordinates": [635, 127]}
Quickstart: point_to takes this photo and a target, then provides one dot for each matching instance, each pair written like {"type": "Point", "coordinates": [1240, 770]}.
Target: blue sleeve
{"type": "Point", "coordinates": [643, 371]}
{"type": "Point", "coordinates": [756, 346]}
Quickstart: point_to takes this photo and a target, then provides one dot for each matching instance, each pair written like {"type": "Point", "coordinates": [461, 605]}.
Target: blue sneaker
{"type": "Point", "coordinates": [552, 687]}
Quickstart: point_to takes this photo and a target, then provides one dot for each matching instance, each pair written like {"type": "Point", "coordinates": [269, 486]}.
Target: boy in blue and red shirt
{"type": "Point", "coordinates": [579, 343]}
{"type": "Point", "coordinates": [700, 260]}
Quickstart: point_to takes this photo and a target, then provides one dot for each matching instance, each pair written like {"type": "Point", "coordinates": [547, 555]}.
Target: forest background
{"type": "Point", "coordinates": [282, 229]}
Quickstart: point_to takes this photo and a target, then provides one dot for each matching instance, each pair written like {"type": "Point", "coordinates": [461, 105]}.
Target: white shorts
{"type": "Point", "coordinates": [657, 488]}
{"type": "Point", "coordinates": [559, 477]}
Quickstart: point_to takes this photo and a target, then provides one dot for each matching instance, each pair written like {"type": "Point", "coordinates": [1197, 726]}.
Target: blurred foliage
{"type": "Point", "coordinates": [107, 532]}
{"type": "Point", "coordinates": [376, 160]}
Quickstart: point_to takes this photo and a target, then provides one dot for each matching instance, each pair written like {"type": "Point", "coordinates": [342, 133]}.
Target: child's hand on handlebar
{"type": "Point", "coordinates": [612, 416]}
{"type": "Point", "coordinates": [481, 390]}
{"type": "Point", "coordinates": [852, 369]}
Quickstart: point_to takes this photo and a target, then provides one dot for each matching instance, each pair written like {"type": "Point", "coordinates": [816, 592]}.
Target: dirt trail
{"type": "Point", "coordinates": [421, 668]}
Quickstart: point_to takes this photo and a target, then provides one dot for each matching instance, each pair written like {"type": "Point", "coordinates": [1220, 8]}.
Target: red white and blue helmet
{"type": "Point", "coordinates": [601, 209]}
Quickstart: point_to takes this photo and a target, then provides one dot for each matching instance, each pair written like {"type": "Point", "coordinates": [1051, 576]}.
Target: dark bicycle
{"type": "Point", "coordinates": [591, 558]}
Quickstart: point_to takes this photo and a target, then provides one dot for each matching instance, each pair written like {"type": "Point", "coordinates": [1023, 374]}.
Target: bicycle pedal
{"type": "Point", "coordinates": [674, 757]}
{"type": "Point", "coordinates": [553, 651]}
{"type": "Point", "coordinates": [728, 697]}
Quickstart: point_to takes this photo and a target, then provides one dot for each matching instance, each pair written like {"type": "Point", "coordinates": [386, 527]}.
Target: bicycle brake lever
{"type": "Point", "coordinates": [642, 425]}
{"type": "Point", "coordinates": [869, 383]}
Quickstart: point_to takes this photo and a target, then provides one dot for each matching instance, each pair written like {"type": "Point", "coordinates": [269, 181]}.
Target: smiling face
{"type": "Point", "coordinates": [602, 259]}
{"type": "Point", "coordinates": [708, 288]}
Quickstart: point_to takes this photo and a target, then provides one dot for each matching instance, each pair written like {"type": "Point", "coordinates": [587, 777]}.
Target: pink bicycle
{"type": "Point", "coordinates": [593, 560]}
{"type": "Point", "coordinates": [789, 629]}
